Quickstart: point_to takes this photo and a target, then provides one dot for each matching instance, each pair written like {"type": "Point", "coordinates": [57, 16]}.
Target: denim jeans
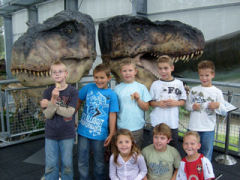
{"type": "Point", "coordinates": [85, 146]}
{"type": "Point", "coordinates": [54, 148]}
{"type": "Point", "coordinates": [207, 140]}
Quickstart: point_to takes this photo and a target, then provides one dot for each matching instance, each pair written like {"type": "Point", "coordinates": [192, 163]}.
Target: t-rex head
{"type": "Point", "coordinates": [68, 36]}
{"type": "Point", "coordinates": [144, 41]}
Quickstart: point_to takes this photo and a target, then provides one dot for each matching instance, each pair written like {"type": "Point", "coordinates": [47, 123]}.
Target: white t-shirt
{"type": "Point", "coordinates": [205, 118]}
{"type": "Point", "coordinates": [163, 90]}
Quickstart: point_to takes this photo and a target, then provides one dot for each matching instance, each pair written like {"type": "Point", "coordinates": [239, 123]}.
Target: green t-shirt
{"type": "Point", "coordinates": [161, 164]}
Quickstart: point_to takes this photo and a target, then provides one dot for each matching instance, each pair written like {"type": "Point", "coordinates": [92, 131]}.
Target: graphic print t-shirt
{"type": "Point", "coordinates": [60, 127]}
{"type": "Point", "coordinates": [98, 104]}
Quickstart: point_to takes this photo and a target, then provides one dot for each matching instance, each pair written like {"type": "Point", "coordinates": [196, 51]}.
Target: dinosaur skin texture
{"type": "Point", "coordinates": [68, 36]}
{"type": "Point", "coordinates": [144, 41]}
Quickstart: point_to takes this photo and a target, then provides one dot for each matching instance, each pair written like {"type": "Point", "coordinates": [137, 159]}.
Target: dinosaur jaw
{"type": "Point", "coordinates": [147, 67]}
{"type": "Point", "coordinates": [40, 77]}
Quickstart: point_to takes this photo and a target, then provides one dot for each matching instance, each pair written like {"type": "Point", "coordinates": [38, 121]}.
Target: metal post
{"type": "Point", "coordinates": [2, 111]}
{"type": "Point", "coordinates": [225, 158]}
{"type": "Point", "coordinates": [7, 113]}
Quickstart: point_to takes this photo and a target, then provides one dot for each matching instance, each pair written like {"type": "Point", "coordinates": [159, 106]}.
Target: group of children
{"type": "Point", "coordinates": [104, 109]}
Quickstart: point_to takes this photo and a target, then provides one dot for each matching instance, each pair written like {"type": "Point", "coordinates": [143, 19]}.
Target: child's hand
{"type": "Point", "coordinates": [196, 107]}
{"type": "Point", "coordinates": [171, 103]}
{"type": "Point", "coordinates": [135, 96]}
{"type": "Point", "coordinates": [145, 178]}
{"type": "Point", "coordinates": [55, 94]}
{"type": "Point", "coordinates": [44, 103]}
{"type": "Point", "coordinates": [107, 141]}
{"type": "Point", "coordinates": [213, 105]}
{"type": "Point", "coordinates": [162, 103]}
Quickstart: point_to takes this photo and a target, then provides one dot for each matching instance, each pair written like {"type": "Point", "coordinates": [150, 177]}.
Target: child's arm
{"type": "Point", "coordinates": [142, 168]}
{"type": "Point", "coordinates": [174, 103]}
{"type": "Point", "coordinates": [50, 106]}
{"type": "Point", "coordinates": [174, 174]}
{"type": "Point", "coordinates": [167, 103]}
{"type": "Point", "coordinates": [213, 105]}
{"type": "Point", "coordinates": [112, 127]}
{"type": "Point", "coordinates": [143, 105]}
{"type": "Point", "coordinates": [78, 105]}
{"type": "Point", "coordinates": [112, 169]}
{"type": "Point", "coordinates": [161, 104]}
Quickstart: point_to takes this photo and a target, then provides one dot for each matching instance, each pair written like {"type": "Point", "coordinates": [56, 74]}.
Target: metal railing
{"type": "Point", "coordinates": [227, 132]}
{"type": "Point", "coordinates": [23, 121]}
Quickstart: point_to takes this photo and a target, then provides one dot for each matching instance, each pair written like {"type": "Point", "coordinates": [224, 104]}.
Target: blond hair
{"type": "Point", "coordinates": [192, 133]}
{"type": "Point", "coordinates": [102, 68]}
{"type": "Point", "coordinates": [127, 61]}
{"type": "Point", "coordinates": [134, 150]}
{"type": "Point", "coordinates": [206, 64]}
{"type": "Point", "coordinates": [165, 59]}
{"type": "Point", "coordinates": [162, 129]}
{"type": "Point", "coordinates": [58, 63]}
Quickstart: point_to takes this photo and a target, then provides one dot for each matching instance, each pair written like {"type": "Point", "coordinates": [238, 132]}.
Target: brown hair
{"type": "Point", "coordinates": [162, 129]}
{"type": "Point", "coordinates": [165, 59]}
{"type": "Point", "coordinates": [206, 64]}
{"type": "Point", "coordinates": [134, 151]}
{"type": "Point", "coordinates": [102, 68]}
{"type": "Point", "coordinates": [57, 63]}
{"type": "Point", "coordinates": [192, 133]}
{"type": "Point", "coordinates": [127, 61]}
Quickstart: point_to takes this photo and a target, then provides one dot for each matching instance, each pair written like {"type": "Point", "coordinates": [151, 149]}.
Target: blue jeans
{"type": "Point", "coordinates": [85, 146]}
{"type": "Point", "coordinates": [54, 148]}
{"type": "Point", "coordinates": [207, 140]}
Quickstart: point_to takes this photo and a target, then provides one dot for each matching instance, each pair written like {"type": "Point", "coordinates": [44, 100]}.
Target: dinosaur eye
{"type": "Point", "coordinates": [138, 29]}
{"type": "Point", "coordinates": [68, 30]}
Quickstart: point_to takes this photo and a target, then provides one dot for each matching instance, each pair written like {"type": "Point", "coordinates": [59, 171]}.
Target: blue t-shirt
{"type": "Point", "coordinates": [98, 104]}
{"type": "Point", "coordinates": [131, 116]}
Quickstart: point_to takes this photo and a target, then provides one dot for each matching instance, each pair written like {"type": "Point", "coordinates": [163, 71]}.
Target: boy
{"type": "Point", "coordinates": [162, 160]}
{"type": "Point", "coordinates": [194, 165]}
{"type": "Point", "coordinates": [167, 94]}
{"type": "Point", "coordinates": [203, 102]}
{"type": "Point", "coordinates": [59, 103]}
{"type": "Point", "coordinates": [99, 115]}
{"type": "Point", "coordinates": [133, 101]}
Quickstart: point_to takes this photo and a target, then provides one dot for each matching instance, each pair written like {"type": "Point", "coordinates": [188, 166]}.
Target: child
{"type": "Point", "coordinates": [194, 165]}
{"type": "Point", "coordinates": [133, 100]}
{"type": "Point", "coordinates": [167, 94]}
{"type": "Point", "coordinates": [203, 102]}
{"type": "Point", "coordinates": [162, 160]}
{"type": "Point", "coordinates": [99, 115]}
{"type": "Point", "coordinates": [59, 103]}
{"type": "Point", "coordinates": [126, 162]}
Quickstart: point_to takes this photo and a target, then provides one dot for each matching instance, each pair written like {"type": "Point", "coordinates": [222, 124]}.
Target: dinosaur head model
{"type": "Point", "coordinates": [68, 36]}
{"type": "Point", "coordinates": [144, 41]}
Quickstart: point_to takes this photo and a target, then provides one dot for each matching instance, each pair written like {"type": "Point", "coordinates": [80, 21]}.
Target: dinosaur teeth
{"type": "Point", "coordinates": [192, 55]}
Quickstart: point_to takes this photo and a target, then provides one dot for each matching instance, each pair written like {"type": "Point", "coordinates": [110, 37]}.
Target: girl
{"type": "Point", "coordinates": [126, 162]}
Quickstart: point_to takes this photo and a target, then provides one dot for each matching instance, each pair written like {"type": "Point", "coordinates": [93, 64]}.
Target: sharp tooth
{"type": "Point", "coordinates": [187, 57]}
{"type": "Point", "coordinates": [177, 59]}
{"type": "Point", "coordinates": [17, 71]}
{"type": "Point", "coordinates": [25, 70]}
{"type": "Point", "coordinates": [201, 52]}
{"type": "Point", "coordinates": [13, 72]}
{"type": "Point", "coordinates": [41, 73]}
{"type": "Point", "coordinates": [173, 59]}
{"type": "Point", "coordinates": [21, 70]}
{"type": "Point", "coordinates": [37, 73]}
{"type": "Point", "coordinates": [192, 55]}
{"type": "Point", "coordinates": [34, 73]}
{"type": "Point", "coordinates": [184, 57]}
